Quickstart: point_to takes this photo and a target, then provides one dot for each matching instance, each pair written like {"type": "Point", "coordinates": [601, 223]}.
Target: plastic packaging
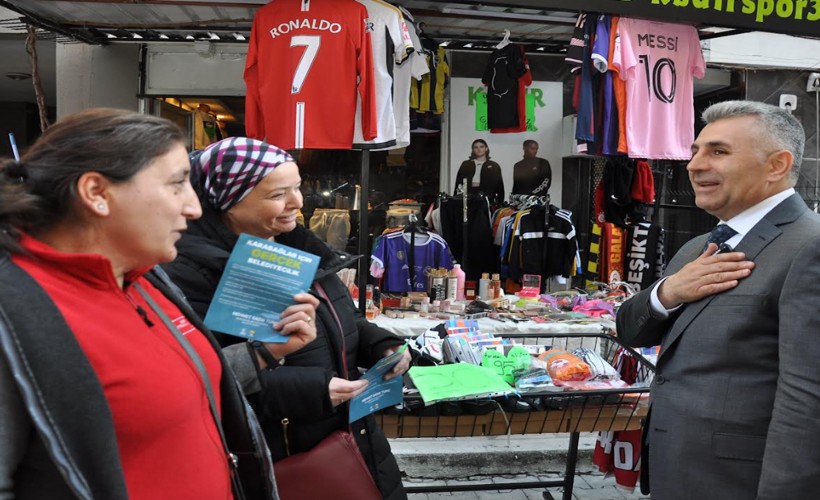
{"type": "Point", "coordinates": [495, 287]}
{"type": "Point", "coordinates": [470, 288]}
{"type": "Point", "coordinates": [452, 287]}
{"type": "Point", "coordinates": [460, 280]}
{"type": "Point", "coordinates": [563, 365]}
{"type": "Point", "coordinates": [484, 287]}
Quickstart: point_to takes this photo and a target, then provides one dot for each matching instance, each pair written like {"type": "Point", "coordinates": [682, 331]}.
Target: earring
{"type": "Point", "coordinates": [101, 206]}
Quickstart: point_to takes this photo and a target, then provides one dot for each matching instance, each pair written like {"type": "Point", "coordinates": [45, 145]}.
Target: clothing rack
{"type": "Point", "coordinates": [520, 201]}
{"type": "Point", "coordinates": [413, 227]}
{"type": "Point", "coordinates": [467, 200]}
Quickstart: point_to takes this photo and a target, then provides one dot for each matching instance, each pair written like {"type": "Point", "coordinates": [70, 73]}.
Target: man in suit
{"type": "Point", "coordinates": [735, 404]}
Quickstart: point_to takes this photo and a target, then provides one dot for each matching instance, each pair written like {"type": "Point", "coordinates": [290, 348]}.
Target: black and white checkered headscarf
{"type": "Point", "coordinates": [227, 170]}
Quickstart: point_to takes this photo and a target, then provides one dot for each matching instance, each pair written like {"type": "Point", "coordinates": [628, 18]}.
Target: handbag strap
{"type": "Point", "coordinates": [233, 460]}
{"type": "Point", "coordinates": [321, 291]}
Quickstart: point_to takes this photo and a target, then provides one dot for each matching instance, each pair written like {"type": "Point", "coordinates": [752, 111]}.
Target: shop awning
{"type": "Point", "coordinates": [546, 23]}
{"type": "Point", "coordinates": [789, 17]}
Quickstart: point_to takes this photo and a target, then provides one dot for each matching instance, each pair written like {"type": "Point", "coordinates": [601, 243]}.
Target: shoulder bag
{"type": "Point", "coordinates": [334, 468]}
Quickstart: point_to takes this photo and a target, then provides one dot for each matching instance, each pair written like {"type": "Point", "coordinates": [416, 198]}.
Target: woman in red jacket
{"type": "Point", "coordinates": [110, 386]}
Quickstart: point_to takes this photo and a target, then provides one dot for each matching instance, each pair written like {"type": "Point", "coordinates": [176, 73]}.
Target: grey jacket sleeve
{"type": "Point", "coordinates": [636, 324]}
{"type": "Point", "coordinates": [243, 367]}
{"type": "Point", "coordinates": [15, 429]}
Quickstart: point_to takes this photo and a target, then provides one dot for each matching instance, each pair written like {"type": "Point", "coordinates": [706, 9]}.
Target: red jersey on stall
{"type": "Point", "coordinates": [307, 61]}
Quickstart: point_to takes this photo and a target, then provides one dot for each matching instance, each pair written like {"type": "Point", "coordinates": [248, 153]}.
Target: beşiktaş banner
{"type": "Point", "coordinates": [790, 17]}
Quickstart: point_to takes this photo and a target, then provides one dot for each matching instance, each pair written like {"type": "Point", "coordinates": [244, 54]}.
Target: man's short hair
{"type": "Point", "coordinates": [530, 141]}
{"type": "Point", "coordinates": [779, 126]}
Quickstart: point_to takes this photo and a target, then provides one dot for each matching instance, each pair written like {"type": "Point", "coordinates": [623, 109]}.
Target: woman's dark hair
{"type": "Point", "coordinates": [479, 141]}
{"type": "Point", "coordinates": [39, 190]}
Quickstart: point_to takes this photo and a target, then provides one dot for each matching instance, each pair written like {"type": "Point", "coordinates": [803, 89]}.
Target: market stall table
{"type": "Point", "coordinates": [412, 327]}
{"type": "Point", "coordinates": [573, 411]}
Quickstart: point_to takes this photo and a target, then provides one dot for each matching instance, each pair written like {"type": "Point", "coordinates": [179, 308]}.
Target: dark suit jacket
{"type": "Point", "coordinates": [735, 405]}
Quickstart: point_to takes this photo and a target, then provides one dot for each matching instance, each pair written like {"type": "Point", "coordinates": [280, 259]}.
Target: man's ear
{"type": "Point", "coordinates": [779, 165]}
{"type": "Point", "coordinates": [93, 192]}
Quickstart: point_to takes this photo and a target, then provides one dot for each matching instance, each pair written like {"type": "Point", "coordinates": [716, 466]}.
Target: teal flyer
{"type": "Point", "coordinates": [259, 282]}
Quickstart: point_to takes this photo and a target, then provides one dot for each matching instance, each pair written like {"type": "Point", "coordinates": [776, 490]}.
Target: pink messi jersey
{"type": "Point", "coordinates": [658, 62]}
{"type": "Point", "coordinates": [307, 60]}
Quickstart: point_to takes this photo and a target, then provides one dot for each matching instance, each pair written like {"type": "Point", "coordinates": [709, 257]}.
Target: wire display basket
{"type": "Point", "coordinates": [550, 411]}
{"type": "Point", "coordinates": [547, 411]}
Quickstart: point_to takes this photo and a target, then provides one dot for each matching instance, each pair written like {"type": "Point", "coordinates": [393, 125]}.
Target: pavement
{"type": "Point", "coordinates": [498, 460]}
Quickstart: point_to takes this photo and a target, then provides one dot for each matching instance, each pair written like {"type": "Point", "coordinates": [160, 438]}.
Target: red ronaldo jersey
{"type": "Point", "coordinates": [306, 61]}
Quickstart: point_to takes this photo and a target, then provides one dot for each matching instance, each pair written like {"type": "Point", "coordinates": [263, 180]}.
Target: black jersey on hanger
{"type": "Point", "coordinates": [501, 76]}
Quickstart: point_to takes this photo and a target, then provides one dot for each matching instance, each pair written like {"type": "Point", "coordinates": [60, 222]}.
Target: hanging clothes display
{"type": "Point", "coordinates": [427, 94]}
{"type": "Point", "coordinates": [579, 58]}
{"type": "Point", "coordinates": [658, 62]}
{"type": "Point", "coordinates": [305, 59]}
{"type": "Point", "coordinates": [390, 42]}
{"type": "Point", "coordinates": [405, 73]}
{"type": "Point", "coordinates": [540, 240]}
{"type": "Point", "coordinates": [526, 108]}
{"type": "Point", "coordinates": [403, 260]}
{"type": "Point", "coordinates": [505, 67]}
{"type": "Point", "coordinates": [625, 190]}
{"type": "Point", "coordinates": [618, 91]}
{"type": "Point", "coordinates": [634, 87]}
{"type": "Point", "coordinates": [618, 453]}
{"type": "Point", "coordinates": [473, 245]}
{"type": "Point", "coordinates": [206, 128]}
{"type": "Point", "coordinates": [606, 123]}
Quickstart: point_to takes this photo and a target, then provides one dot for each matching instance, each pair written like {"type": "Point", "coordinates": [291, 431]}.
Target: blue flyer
{"type": "Point", "coordinates": [259, 282]}
{"type": "Point", "coordinates": [380, 393]}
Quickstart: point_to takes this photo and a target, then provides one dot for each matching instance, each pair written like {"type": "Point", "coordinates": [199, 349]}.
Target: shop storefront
{"type": "Point", "coordinates": [549, 237]}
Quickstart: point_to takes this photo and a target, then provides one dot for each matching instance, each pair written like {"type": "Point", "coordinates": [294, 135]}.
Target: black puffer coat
{"type": "Point", "coordinates": [298, 391]}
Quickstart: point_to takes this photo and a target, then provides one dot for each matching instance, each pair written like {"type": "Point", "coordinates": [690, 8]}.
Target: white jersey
{"type": "Point", "coordinates": [414, 67]}
{"type": "Point", "coordinates": [387, 24]}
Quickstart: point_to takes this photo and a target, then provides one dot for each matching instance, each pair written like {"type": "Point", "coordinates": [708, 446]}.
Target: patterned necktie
{"type": "Point", "coordinates": [719, 235]}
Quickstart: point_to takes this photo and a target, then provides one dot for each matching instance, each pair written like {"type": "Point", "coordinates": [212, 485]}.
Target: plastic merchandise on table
{"type": "Point", "coordinates": [595, 308]}
{"type": "Point", "coordinates": [599, 368]}
{"type": "Point", "coordinates": [563, 365]}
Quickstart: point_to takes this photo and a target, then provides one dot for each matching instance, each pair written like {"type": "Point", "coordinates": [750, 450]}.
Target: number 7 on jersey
{"type": "Point", "coordinates": [311, 44]}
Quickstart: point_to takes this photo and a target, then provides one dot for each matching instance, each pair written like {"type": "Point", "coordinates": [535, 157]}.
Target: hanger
{"type": "Point", "coordinates": [413, 225]}
{"type": "Point", "coordinates": [505, 41]}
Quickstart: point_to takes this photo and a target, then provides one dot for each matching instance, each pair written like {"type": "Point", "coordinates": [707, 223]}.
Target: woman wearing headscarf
{"type": "Point", "coordinates": [248, 186]}
{"type": "Point", "coordinates": [110, 386]}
